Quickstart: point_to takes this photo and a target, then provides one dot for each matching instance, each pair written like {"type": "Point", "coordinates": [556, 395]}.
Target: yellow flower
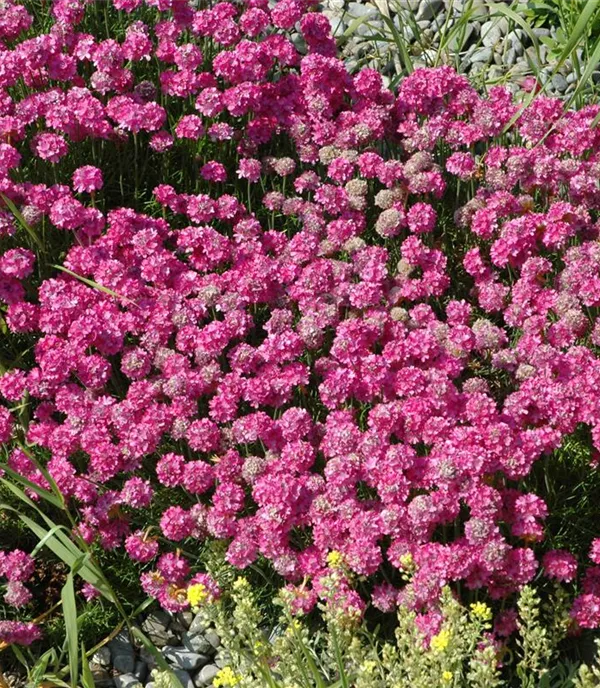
{"type": "Point", "coordinates": [197, 594]}
{"type": "Point", "coordinates": [441, 641]}
{"type": "Point", "coordinates": [481, 611]}
{"type": "Point", "coordinates": [447, 676]}
{"type": "Point", "coordinates": [226, 677]}
{"type": "Point", "coordinates": [240, 584]}
{"type": "Point", "coordinates": [406, 560]}
{"type": "Point", "coordinates": [335, 559]}
{"type": "Point", "coordinates": [369, 666]}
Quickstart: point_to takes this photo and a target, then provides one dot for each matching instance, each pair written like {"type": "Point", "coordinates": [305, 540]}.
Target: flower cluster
{"type": "Point", "coordinates": [310, 365]}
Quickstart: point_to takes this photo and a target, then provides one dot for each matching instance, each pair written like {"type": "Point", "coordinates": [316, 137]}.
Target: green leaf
{"type": "Point", "coordinates": [44, 494]}
{"type": "Point", "coordinates": [94, 285]}
{"type": "Point", "coordinates": [70, 613]}
{"type": "Point", "coordinates": [21, 220]}
{"type": "Point", "coordinates": [87, 680]}
{"type": "Point", "coordinates": [160, 660]}
{"type": "Point", "coordinates": [65, 550]}
{"type": "Point", "coordinates": [400, 44]}
{"type": "Point", "coordinates": [579, 30]}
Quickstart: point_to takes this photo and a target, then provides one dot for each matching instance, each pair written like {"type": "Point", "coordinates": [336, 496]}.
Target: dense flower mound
{"type": "Point", "coordinates": [307, 353]}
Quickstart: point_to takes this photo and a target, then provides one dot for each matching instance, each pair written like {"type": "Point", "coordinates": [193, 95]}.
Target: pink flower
{"type": "Point", "coordinates": [560, 565]}
{"type": "Point", "coordinates": [87, 178]}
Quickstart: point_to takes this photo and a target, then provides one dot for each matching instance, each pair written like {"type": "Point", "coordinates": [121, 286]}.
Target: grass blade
{"type": "Point", "coordinates": [579, 30]}
{"type": "Point", "coordinates": [400, 44]}
{"type": "Point", "coordinates": [70, 614]}
{"type": "Point", "coordinates": [21, 220]}
{"type": "Point", "coordinates": [94, 285]}
{"type": "Point", "coordinates": [87, 680]}
{"type": "Point", "coordinates": [44, 494]}
{"type": "Point", "coordinates": [160, 660]}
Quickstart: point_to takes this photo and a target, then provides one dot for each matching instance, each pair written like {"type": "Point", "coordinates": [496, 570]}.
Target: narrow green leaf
{"type": "Point", "coordinates": [400, 44]}
{"type": "Point", "coordinates": [44, 494]}
{"type": "Point", "coordinates": [354, 24]}
{"type": "Point", "coordinates": [87, 680]}
{"type": "Point", "coordinates": [587, 74]}
{"type": "Point", "coordinates": [579, 30]}
{"type": "Point", "coordinates": [94, 285]}
{"type": "Point", "coordinates": [67, 551]}
{"type": "Point", "coordinates": [160, 660]}
{"type": "Point", "coordinates": [70, 614]}
{"type": "Point", "coordinates": [21, 220]}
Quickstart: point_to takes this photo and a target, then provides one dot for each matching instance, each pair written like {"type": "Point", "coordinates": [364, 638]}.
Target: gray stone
{"type": "Point", "coordinates": [409, 4]}
{"type": "Point", "coordinates": [198, 625]}
{"type": "Point", "coordinates": [127, 681]}
{"type": "Point", "coordinates": [559, 83]}
{"type": "Point", "coordinates": [101, 677]}
{"type": "Point", "coordinates": [141, 670]}
{"type": "Point", "coordinates": [572, 77]}
{"type": "Point", "coordinates": [540, 32]}
{"type": "Point", "coordinates": [184, 678]}
{"type": "Point", "coordinates": [359, 9]}
{"type": "Point", "coordinates": [185, 618]}
{"type": "Point", "coordinates": [510, 57]}
{"type": "Point", "coordinates": [150, 684]}
{"type": "Point", "coordinates": [222, 659]}
{"type": "Point", "coordinates": [197, 642]}
{"type": "Point", "coordinates": [493, 30]}
{"type": "Point", "coordinates": [148, 658]}
{"type": "Point", "coordinates": [429, 8]}
{"type": "Point", "coordinates": [156, 627]}
{"type": "Point", "coordinates": [213, 639]}
{"type": "Point", "coordinates": [121, 645]}
{"type": "Point", "coordinates": [124, 663]}
{"type": "Point", "coordinates": [477, 68]}
{"type": "Point", "coordinates": [482, 55]}
{"type": "Point", "coordinates": [206, 675]}
{"type": "Point", "coordinates": [184, 659]}
{"type": "Point", "coordinates": [101, 656]}
{"type": "Point", "coordinates": [461, 38]}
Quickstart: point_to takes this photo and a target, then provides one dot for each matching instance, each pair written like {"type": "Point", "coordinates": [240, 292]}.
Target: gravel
{"type": "Point", "coordinates": [191, 648]}
{"type": "Point", "coordinates": [488, 49]}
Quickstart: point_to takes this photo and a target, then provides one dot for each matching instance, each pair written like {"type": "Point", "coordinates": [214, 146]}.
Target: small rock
{"type": "Point", "coordinates": [540, 32]}
{"type": "Point", "coordinates": [429, 8]}
{"type": "Point", "coordinates": [141, 670]}
{"type": "Point", "coordinates": [206, 675]}
{"type": "Point", "coordinates": [511, 57]}
{"type": "Point", "coordinates": [477, 68]}
{"type": "Point", "coordinates": [124, 664]}
{"type": "Point", "coordinates": [101, 656]}
{"type": "Point", "coordinates": [184, 678]}
{"type": "Point", "coordinates": [493, 30]}
{"type": "Point", "coordinates": [184, 659]}
{"type": "Point", "coordinates": [198, 625]}
{"type": "Point", "coordinates": [461, 38]}
{"type": "Point", "coordinates": [148, 658]}
{"type": "Point", "coordinates": [121, 645]}
{"type": "Point", "coordinates": [560, 83]}
{"type": "Point", "coordinates": [409, 4]}
{"type": "Point", "coordinates": [482, 55]}
{"type": "Point", "coordinates": [101, 677]}
{"type": "Point", "coordinates": [185, 618]}
{"type": "Point", "coordinates": [127, 681]}
{"type": "Point", "coordinates": [222, 659]}
{"type": "Point", "coordinates": [359, 9]}
{"type": "Point", "coordinates": [197, 642]}
{"type": "Point", "coordinates": [213, 639]}
{"type": "Point", "coordinates": [150, 684]}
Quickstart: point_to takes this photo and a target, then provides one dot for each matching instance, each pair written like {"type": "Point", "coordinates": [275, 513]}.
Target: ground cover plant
{"type": "Point", "coordinates": [256, 304]}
